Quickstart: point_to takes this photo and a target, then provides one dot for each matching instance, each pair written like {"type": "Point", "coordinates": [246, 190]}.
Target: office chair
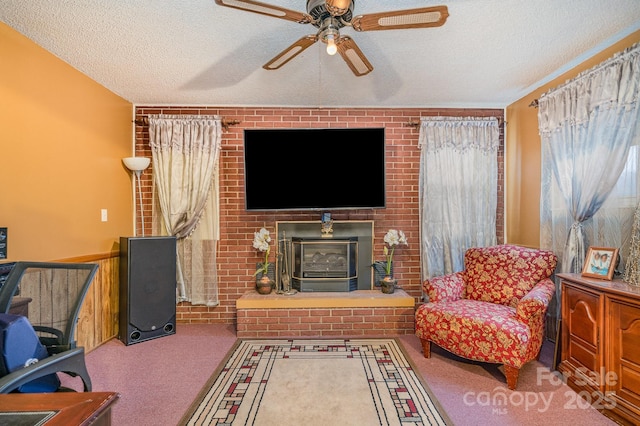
{"type": "Point", "coordinates": [50, 295]}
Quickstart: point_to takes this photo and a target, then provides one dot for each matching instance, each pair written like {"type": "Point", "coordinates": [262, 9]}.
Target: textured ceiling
{"type": "Point", "coordinates": [489, 53]}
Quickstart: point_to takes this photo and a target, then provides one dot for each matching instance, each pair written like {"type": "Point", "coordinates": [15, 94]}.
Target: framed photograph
{"type": "Point", "coordinates": [600, 263]}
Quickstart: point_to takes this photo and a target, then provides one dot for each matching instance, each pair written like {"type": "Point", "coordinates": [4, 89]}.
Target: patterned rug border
{"type": "Point", "coordinates": [214, 376]}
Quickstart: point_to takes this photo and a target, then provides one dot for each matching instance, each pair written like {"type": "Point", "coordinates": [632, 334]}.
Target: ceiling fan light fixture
{"type": "Point", "coordinates": [329, 34]}
{"type": "Point", "coordinates": [332, 49]}
{"type": "Point", "coordinates": [328, 16]}
{"type": "Point", "coordinates": [337, 7]}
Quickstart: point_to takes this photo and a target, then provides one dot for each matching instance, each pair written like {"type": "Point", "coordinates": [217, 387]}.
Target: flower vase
{"type": "Point", "coordinates": [380, 271]}
{"type": "Point", "coordinates": [264, 285]}
{"type": "Point", "coordinates": [388, 284]}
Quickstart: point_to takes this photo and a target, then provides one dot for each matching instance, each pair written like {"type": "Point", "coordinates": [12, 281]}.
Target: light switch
{"type": "Point", "coordinates": [103, 213]}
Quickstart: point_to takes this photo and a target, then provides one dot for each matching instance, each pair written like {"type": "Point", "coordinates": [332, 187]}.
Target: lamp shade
{"type": "Point", "coordinates": [136, 164]}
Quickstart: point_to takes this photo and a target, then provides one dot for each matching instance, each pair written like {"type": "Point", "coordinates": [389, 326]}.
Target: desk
{"type": "Point", "coordinates": [62, 408]}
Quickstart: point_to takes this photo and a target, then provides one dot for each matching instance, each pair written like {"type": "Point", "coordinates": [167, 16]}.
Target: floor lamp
{"type": "Point", "coordinates": [137, 165]}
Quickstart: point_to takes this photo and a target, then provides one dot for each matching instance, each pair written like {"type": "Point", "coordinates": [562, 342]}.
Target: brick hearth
{"type": "Point", "coordinates": [325, 314]}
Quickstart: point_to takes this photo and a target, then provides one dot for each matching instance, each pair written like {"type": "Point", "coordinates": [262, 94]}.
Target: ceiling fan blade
{"type": "Point", "coordinates": [411, 18]}
{"type": "Point", "coordinates": [290, 52]}
{"type": "Point", "coordinates": [267, 9]}
{"type": "Point", "coordinates": [353, 56]}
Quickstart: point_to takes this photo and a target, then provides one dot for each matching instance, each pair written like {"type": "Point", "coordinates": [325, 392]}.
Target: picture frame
{"type": "Point", "coordinates": [600, 263]}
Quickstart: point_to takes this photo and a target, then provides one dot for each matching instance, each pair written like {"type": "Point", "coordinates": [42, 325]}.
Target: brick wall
{"type": "Point", "coordinates": [237, 258]}
{"type": "Point", "coordinates": [325, 322]}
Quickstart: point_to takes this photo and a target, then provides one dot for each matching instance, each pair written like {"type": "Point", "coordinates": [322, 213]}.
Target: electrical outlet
{"type": "Point", "coordinates": [103, 214]}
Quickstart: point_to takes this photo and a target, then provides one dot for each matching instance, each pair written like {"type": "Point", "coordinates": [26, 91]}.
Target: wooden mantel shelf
{"type": "Point", "coordinates": [349, 299]}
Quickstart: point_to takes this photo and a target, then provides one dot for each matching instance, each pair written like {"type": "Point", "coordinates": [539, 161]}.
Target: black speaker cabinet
{"type": "Point", "coordinates": [147, 288]}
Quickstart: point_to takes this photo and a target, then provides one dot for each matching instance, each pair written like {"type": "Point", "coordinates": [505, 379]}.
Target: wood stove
{"type": "Point", "coordinates": [325, 264]}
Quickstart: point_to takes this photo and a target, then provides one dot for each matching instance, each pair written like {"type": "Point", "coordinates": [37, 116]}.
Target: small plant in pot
{"type": "Point", "coordinates": [261, 240]}
{"type": "Point", "coordinates": [393, 238]}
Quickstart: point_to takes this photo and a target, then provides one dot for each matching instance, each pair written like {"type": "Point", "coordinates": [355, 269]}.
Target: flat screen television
{"type": "Point", "coordinates": [314, 169]}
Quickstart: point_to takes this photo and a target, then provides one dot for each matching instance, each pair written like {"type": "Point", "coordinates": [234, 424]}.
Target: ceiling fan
{"type": "Point", "coordinates": [329, 16]}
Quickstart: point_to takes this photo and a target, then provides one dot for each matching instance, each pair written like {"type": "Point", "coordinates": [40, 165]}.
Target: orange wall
{"type": "Point", "coordinates": [62, 140]}
{"type": "Point", "coordinates": [522, 160]}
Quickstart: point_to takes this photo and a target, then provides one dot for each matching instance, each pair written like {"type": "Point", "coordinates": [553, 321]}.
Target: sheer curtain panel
{"type": "Point", "coordinates": [186, 151]}
{"type": "Point", "coordinates": [457, 189]}
{"type": "Point", "coordinates": [589, 130]}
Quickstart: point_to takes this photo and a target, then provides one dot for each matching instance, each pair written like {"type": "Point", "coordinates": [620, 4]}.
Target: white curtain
{"type": "Point", "coordinates": [457, 190]}
{"type": "Point", "coordinates": [186, 151]}
{"type": "Point", "coordinates": [589, 130]}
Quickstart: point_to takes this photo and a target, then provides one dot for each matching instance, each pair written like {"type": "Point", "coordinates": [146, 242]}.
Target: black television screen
{"type": "Point", "coordinates": [314, 169]}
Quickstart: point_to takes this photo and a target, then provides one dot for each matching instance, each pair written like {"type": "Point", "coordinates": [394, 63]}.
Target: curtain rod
{"type": "Point", "coordinates": [416, 123]}
{"type": "Point", "coordinates": [144, 121]}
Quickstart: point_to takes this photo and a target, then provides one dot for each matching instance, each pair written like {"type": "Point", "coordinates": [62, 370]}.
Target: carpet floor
{"type": "Point", "coordinates": [316, 382]}
{"type": "Point", "coordinates": [158, 380]}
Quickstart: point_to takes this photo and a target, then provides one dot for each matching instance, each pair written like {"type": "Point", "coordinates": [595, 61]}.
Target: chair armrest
{"type": "Point", "coordinates": [71, 362]}
{"type": "Point", "coordinates": [535, 303]}
{"type": "Point", "coordinates": [446, 288]}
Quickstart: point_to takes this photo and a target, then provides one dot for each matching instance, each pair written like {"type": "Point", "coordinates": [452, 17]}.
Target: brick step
{"type": "Point", "coordinates": [325, 314]}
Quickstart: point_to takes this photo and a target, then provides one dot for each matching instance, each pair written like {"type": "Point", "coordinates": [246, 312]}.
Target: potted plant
{"type": "Point", "coordinates": [393, 238]}
{"type": "Point", "coordinates": [261, 240]}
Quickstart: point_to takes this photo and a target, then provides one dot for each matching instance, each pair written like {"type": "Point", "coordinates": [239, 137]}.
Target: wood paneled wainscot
{"type": "Point", "coordinates": [600, 356]}
{"type": "Point", "coordinates": [98, 321]}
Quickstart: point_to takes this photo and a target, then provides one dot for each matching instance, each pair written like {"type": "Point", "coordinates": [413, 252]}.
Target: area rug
{"type": "Point", "coordinates": [267, 382]}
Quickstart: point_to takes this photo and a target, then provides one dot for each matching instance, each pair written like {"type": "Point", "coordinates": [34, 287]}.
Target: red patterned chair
{"type": "Point", "coordinates": [494, 310]}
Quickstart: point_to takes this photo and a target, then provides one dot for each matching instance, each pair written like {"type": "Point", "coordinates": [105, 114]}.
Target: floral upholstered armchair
{"type": "Point", "coordinates": [493, 311]}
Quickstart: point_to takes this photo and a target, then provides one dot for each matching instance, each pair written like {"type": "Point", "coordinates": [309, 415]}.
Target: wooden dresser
{"type": "Point", "coordinates": [600, 352]}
